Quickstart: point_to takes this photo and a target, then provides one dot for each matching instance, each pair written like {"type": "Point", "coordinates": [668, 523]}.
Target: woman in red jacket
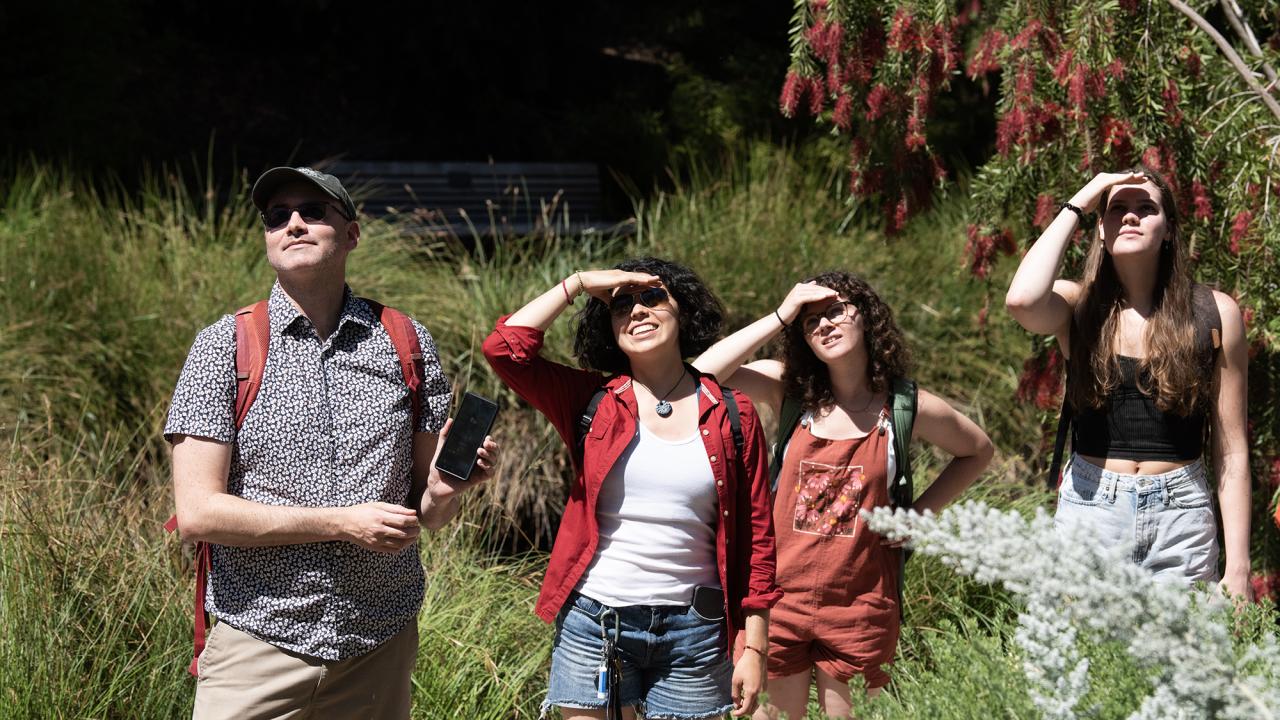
{"type": "Point", "coordinates": [665, 550]}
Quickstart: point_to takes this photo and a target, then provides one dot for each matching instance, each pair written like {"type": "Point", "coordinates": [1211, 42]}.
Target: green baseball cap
{"type": "Point", "coordinates": [275, 178]}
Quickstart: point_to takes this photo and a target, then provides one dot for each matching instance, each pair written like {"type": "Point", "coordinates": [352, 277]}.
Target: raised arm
{"type": "Point", "coordinates": [971, 450]}
{"type": "Point", "coordinates": [761, 381]}
{"type": "Point", "coordinates": [1037, 299]}
{"type": "Point", "coordinates": [1231, 447]}
{"type": "Point", "coordinates": [541, 311]}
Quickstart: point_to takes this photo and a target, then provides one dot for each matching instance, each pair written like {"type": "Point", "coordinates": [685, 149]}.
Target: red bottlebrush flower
{"type": "Point", "coordinates": [1062, 70]}
{"type": "Point", "coordinates": [835, 78]}
{"type": "Point", "coordinates": [939, 170]}
{"type": "Point", "coordinates": [1191, 59]}
{"type": "Point", "coordinates": [1239, 228]}
{"type": "Point", "coordinates": [1010, 130]}
{"type": "Point", "coordinates": [1200, 198]}
{"type": "Point", "coordinates": [1077, 94]}
{"type": "Point", "coordinates": [1005, 243]}
{"type": "Point", "coordinates": [817, 96]}
{"type": "Point", "coordinates": [1246, 315]}
{"type": "Point", "coordinates": [902, 33]}
{"type": "Point", "coordinates": [842, 115]}
{"type": "Point", "coordinates": [1116, 70]}
{"type": "Point", "coordinates": [1252, 189]}
{"type": "Point", "coordinates": [1172, 98]}
{"type": "Point", "coordinates": [792, 93]}
{"type": "Point", "coordinates": [1025, 84]}
{"type": "Point", "coordinates": [1045, 207]}
{"type": "Point", "coordinates": [1041, 379]}
{"type": "Point", "coordinates": [1022, 40]}
{"type": "Point", "coordinates": [876, 100]}
{"type": "Point", "coordinates": [1129, 6]}
{"type": "Point", "coordinates": [1116, 136]}
{"type": "Point", "coordinates": [1266, 587]}
{"type": "Point", "coordinates": [915, 132]}
{"type": "Point", "coordinates": [1152, 158]}
{"type": "Point", "coordinates": [984, 58]}
{"type": "Point", "coordinates": [900, 214]}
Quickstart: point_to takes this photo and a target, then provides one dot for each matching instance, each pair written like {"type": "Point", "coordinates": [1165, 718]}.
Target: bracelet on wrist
{"type": "Point", "coordinates": [785, 326]}
{"type": "Point", "coordinates": [567, 300]}
{"type": "Point", "coordinates": [1068, 206]}
{"type": "Point", "coordinates": [752, 647]}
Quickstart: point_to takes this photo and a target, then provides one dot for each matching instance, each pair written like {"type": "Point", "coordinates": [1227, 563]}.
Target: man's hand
{"type": "Point", "coordinates": [381, 527]}
{"type": "Point", "coordinates": [748, 683]}
{"type": "Point", "coordinates": [443, 487]}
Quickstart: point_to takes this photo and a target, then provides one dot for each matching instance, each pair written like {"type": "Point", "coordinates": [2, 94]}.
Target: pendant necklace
{"type": "Point", "coordinates": [663, 408]}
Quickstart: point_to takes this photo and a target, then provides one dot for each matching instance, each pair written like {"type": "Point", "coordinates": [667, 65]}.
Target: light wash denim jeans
{"type": "Point", "coordinates": [1167, 518]}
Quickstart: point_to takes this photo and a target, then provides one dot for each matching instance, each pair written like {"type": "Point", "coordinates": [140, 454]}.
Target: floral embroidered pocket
{"type": "Point", "coordinates": [828, 499]}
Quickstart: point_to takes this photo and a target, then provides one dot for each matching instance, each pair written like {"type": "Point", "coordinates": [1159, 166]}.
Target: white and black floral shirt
{"type": "Point", "coordinates": [330, 427]}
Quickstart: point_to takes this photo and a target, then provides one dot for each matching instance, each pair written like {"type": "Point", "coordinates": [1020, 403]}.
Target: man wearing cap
{"type": "Point", "coordinates": [311, 508]}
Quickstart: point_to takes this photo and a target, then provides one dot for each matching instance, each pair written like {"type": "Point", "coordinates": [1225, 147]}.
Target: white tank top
{"type": "Point", "coordinates": [657, 516]}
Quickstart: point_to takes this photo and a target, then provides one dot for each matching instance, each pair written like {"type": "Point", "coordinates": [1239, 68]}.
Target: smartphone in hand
{"type": "Point", "coordinates": [474, 420]}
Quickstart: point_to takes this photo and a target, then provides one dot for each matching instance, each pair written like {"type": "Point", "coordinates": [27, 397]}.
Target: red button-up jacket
{"type": "Point", "coordinates": [744, 533]}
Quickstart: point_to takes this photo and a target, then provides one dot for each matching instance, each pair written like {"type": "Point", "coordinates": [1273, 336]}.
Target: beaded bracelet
{"type": "Point", "coordinates": [1068, 206]}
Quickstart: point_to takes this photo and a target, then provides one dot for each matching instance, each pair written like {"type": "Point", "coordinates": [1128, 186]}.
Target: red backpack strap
{"type": "Point", "coordinates": [404, 338]}
{"type": "Point", "coordinates": [253, 336]}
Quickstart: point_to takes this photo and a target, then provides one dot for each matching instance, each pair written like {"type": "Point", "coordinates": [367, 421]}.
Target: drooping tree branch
{"type": "Point", "coordinates": [1232, 56]}
{"type": "Point", "coordinates": [1235, 16]}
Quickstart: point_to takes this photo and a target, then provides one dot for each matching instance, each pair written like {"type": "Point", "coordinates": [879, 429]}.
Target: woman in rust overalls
{"type": "Point", "coordinates": [839, 614]}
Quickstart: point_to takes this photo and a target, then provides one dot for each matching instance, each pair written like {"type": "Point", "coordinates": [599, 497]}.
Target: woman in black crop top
{"type": "Point", "coordinates": [1152, 359]}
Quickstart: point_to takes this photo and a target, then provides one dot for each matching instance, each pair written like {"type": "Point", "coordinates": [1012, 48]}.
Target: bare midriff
{"type": "Point", "coordinates": [1136, 467]}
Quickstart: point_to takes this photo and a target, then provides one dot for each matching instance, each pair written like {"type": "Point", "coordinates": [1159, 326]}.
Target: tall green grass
{"type": "Point", "coordinates": [104, 291]}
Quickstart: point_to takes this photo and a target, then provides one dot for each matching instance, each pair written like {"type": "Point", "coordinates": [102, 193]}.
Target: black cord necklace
{"type": "Point", "coordinates": [663, 408]}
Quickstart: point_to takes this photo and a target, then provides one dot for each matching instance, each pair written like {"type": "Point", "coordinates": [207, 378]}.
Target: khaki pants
{"type": "Point", "coordinates": [243, 677]}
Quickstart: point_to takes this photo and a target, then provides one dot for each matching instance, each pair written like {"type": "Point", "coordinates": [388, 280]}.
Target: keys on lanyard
{"type": "Point", "coordinates": [609, 674]}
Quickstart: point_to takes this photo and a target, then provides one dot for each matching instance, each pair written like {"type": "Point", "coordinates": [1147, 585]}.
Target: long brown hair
{"type": "Point", "coordinates": [1171, 373]}
{"type": "Point", "coordinates": [807, 378]}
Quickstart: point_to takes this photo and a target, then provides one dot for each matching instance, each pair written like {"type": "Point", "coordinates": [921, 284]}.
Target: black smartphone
{"type": "Point", "coordinates": [470, 426]}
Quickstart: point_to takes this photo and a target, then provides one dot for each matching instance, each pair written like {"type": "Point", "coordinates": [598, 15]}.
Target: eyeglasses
{"type": "Point", "coordinates": [310, 212]}
{"type": "Point", "coordinates": [622, 303]}
{"type": "Point", "coordinates": [834, 313]}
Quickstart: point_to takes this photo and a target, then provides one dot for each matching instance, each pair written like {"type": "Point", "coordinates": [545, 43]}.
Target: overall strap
{"type": "Point", "coordinates": [788, 417]}
{"type": "Point", "coordinates": [404, 337]}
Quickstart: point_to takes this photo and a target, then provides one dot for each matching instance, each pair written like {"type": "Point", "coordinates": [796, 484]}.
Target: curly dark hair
{"type": "Point", "coordinates": [700, 314]}
{"type": "Point", "coordinates": [806, 377]}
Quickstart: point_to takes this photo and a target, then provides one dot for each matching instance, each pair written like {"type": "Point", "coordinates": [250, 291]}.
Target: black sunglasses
{"type": "Point", "coordinates": [314, 211]}
{"type": "Point", "coordinates": [621, 304]}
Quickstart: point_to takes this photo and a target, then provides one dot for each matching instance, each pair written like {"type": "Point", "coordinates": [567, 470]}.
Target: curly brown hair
{"type": "Point", "coordinates": [806, 377]}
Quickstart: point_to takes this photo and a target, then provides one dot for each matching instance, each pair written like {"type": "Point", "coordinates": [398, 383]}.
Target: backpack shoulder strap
{"type": "Point", "coordinates": [735, 418]}
{"type": "Point", "coordinates": [404, 338]}
{"type": "Point", "coordinates": [583, 425]}
{"type": "Point", "coordinates": [253, 338]}
{"type": "Point", "coordinates": [903, 418]}
{"type": "Point", "coordinates": [1054, 479]}
{"type": "Point", "coordinates": [788, 417]}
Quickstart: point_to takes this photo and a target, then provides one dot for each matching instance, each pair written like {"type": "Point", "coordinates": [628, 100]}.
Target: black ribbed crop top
{"type": "Point", "coordinates": [1131, 427]}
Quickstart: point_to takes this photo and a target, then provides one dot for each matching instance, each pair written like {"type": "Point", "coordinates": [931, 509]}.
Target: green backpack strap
{"type": "Point", "coordinates": [788, 417]}
{"type": "Point", "coordinates": [901, 490]}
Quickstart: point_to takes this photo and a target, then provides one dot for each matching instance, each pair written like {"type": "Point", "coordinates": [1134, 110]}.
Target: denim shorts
{"type": "Point", "coordinates": [1168, 518]}
{"type": "Point", "coordinates": [675, 663]}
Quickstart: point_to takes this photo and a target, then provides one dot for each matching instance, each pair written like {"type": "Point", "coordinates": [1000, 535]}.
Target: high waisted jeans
{"type": "Point", "coordinates": [1167, 518]}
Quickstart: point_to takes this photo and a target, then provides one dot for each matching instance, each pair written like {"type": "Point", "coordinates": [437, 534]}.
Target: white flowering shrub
{"type": "Point", "coordinates": [1198, 658]}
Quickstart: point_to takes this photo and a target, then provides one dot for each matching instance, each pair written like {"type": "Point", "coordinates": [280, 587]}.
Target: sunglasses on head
{"type": "Point", "coordinates": [622, 303]}
{"type": "Point", "coordinates": [834, 313]}
{"type": "Point", "coordinates": [314, 211]}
